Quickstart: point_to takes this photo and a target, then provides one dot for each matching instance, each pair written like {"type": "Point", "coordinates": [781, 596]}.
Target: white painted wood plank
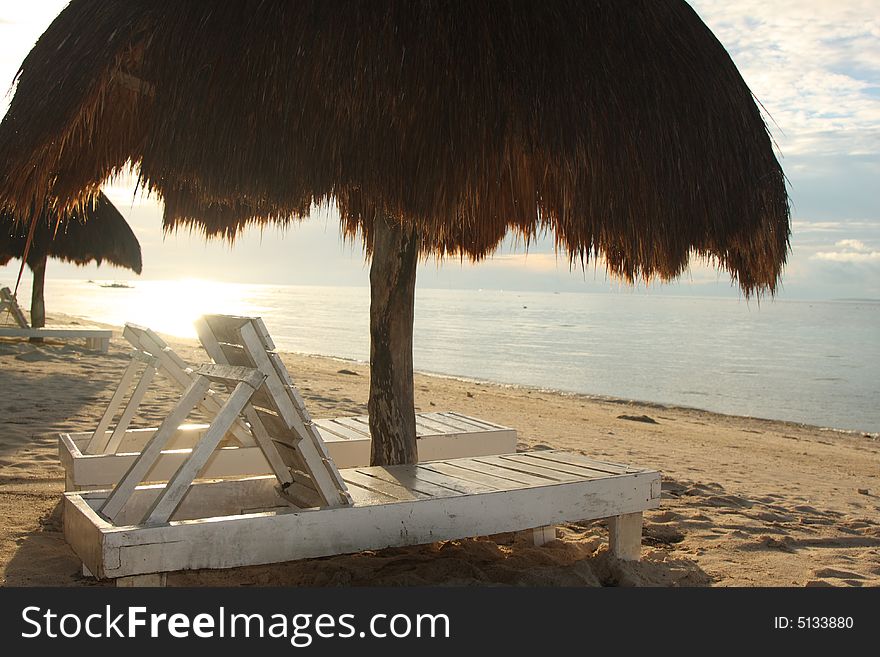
{"type": "Point", "coordinates": [366, 496]}
{"type": "Point", "coordinates": [364, 422]}
{"type": "Point", "coordinates": [177, 487]}
{"type": "Point", "coordinates": [100, 471]}
{"type": "Point", "coordinates": [55, 332]}
{"type": "Point", "coordinates": [234, 354]}
{"type": "Point", "coordinates": [131, 407]}
{"type": "Point", "coordinates": [345, 453]}
{"type": "Point", "coordinates": [453, 423]}
{"type": "Point", "coordinates": [226, 462]}
{"type": "Point", "coordinates": [175, 368]}
{"type": "Point", "coordinates": [320, 467]}
{"type": "Point", "coordinates": [261, 434]}
{"type": "Point", "coordinates": [428, 472]}
{"type": "Point", "coordinates": [288, 385]}
{"type": "Point", "coordinates": [250, 376]}
{"type": "Point", "coordinates": [577, 459]}
{"type": "Point", "coordinates": [153, 449]}
{"type": "Point", "coordinates": [336, 431]}
{"type": "Point", "coordinates": [153, 580]}
{"type": "Point", "coordinates": [266, 445]}
{"type": "Point", "coordinates": [579, 470]}
{"type": "Point", "coordinates": [225, 328]}
{"type": "Point", "coordinates": [437, 447]}
{"type": "Point", "coordinates": [264, 537]}
{"type": "Point", "coordinates": [433, 426]}
{"type": "Point", "coordinates": [410, 478]}
{"type": "Point", "coordinates": [206, 498]}
{"type": "Point", "coordinates": [476, 420]}
{"type": "Point", "coordinates": [99, 440]}
{"type": "Point", "coordinates": [511, 464]}
{"type": "Point", "coordinates": [473, 426]}
{"type": "Point", "coordinates": [522, 478]}
{"type": "Point", "coordinates": [9, 303]}
{"type": "Point", "coordinates": [490, 481]}
{"type": "Point", "coordinates": [325, 474]}
{"type": "Point", "coordinates": [353, 425]}
{"type": "Point", "coordinates": [390, 489]}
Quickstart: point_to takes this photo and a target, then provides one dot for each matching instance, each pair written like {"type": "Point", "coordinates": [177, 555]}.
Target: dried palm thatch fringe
{"type": "Point", "coordinates": [102, 234]}
{"type": "Point", "coordinates": [621, 126]}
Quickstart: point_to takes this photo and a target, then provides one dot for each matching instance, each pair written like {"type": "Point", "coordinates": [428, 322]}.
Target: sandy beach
{"type": "Point", "coordinates": [746, 502]}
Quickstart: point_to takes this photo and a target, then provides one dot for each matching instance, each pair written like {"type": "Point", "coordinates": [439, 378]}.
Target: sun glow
{"type": "Point", "coordinates": [172, 306]}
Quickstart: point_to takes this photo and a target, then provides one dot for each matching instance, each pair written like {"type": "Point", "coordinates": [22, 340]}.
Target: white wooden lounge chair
{"type": "Point", "coordinates": [100, 458]}
{"type": "Point", "coordinates": [97, 339]}
{"type": "Point", "coordinates": [155, 356]}
{"type": "Point", "coordinates": [308, 507]}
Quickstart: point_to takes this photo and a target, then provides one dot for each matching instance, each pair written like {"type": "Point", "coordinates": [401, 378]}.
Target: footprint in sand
{"type": "Point", "coordinates": [834, 573]}
{"type": "Point", "coordinates": [773, 516]}
{"type": "Point", "coordinates": [664, 516]}
{"type": "Point", "coordinates": [728, 501]}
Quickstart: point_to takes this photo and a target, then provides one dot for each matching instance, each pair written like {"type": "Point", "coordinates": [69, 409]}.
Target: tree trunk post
{"type": "Point", "coordinates": [38, 305]}
{"type": "Point", "coordinates": [392, 299]}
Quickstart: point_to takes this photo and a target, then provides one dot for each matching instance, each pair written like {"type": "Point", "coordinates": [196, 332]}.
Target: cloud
{"type": "Point", "coordinates": [848, 256]}
{"type": "Point", "coordinates": [849, 251]}
{"type": "Point", "coordinates": [855, 245]}
{"type": "Point", "coordinates": [813, 64]}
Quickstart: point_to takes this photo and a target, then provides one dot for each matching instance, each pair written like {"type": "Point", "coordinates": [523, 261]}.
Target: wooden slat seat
{"type": "Point", "coordinates": [349, 447]}
{"type": "Point", "coordinates": [225, 524]}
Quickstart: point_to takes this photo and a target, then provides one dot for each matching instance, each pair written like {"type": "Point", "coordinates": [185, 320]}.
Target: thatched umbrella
{"type": "Point", "coordinates": [99, 233]}
{"type": "Point", "coordinates": [435, 127]}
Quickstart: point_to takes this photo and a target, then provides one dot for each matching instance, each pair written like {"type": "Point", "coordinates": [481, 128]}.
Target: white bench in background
{"type": "Point", "coordinates": [97, 339]}
{"type": "Point", "coordinates": [347, 440]}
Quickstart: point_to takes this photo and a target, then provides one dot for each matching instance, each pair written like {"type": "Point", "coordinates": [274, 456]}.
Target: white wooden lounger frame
{"type": "Point", "coordinates": [100, 458]}
{"type": "Point", "coordinates": [134, 531]}
{"type": "Point", "coordinates": [442, 435]}
{"type": "Point", "coordinates": [96, 339]}
{"type": "Point", "coordinates": [154, 355]}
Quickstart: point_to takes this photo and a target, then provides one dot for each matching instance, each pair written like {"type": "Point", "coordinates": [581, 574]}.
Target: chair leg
{"type": "Point", "coordinates": [542, 535]}
{"type": "Point", "coordinates": [152, 580]}
{"type": "Point", "coordinates": [625, 536]}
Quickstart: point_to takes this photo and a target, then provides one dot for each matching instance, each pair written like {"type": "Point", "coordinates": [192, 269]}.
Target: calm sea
{"type": "Point", "coordinates": [811, 362]}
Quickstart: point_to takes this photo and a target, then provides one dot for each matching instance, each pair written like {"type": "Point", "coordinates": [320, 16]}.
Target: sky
{"type": "Point", "coordinates": [813, 64]}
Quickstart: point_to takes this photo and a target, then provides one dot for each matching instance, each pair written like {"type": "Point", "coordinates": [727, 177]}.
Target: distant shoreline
{"type": "Point", "coordinates": [610, 399]}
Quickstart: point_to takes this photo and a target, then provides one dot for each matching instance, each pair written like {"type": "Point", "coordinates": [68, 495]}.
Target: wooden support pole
{"type": "Point", "coordinates": [38, 302]}
{"type": "Point", "coordinates": [625, 536]}
{"type": "Point", "coordinates": [392, 299]}
{"type": "Point", "coordinates": [155, 580]}
{"type": "Point", "coordinates": [542, 535]}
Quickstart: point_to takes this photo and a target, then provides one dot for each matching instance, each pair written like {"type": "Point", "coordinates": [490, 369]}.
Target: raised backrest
{"type": "Point", "coordinates": [176, 369]}
{"type": "Point", "coordinates": [276, 412]}
{"type": "Point", "coordinates": [9, 304]}
{"type": "Point", "coordinates": [170, 363]}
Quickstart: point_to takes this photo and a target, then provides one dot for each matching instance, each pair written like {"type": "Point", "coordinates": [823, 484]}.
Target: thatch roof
{"type": "Point", "coordinates": [623, 127]}
{"type": "Point", "coordinates": [99, 234]}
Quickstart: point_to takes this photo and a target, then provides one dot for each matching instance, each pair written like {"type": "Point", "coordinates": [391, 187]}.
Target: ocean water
{"type": "Point", "coordinates": [811, 362]}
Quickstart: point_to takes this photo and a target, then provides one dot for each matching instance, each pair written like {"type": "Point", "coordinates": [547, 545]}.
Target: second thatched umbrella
{"type": "Point", "coordinates": [98, 234]}
{"type": "Point", "coordinates": [624, 128]}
